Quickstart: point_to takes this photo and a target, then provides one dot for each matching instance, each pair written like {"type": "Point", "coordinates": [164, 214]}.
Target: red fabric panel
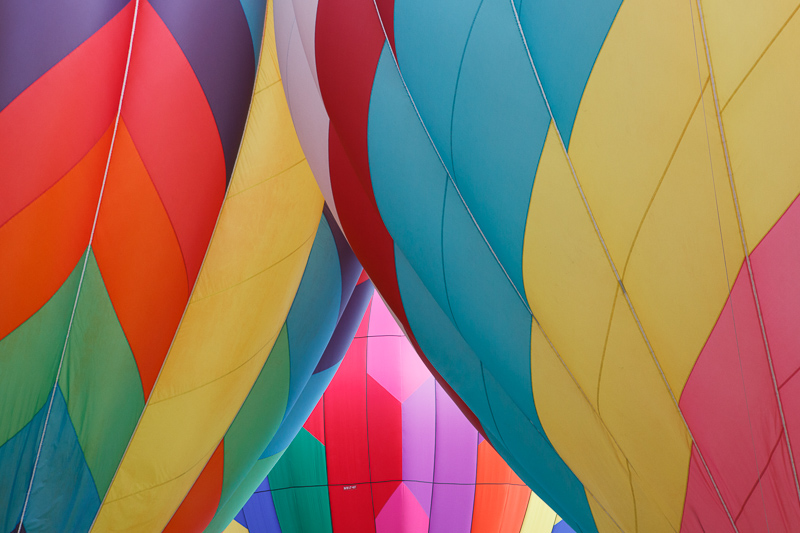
{"type": "Point", "coordinates": [351, 508]}
{"type": "Point", "coordinates": [140, 260]}
{"type": "Point", "coordinates": [381, 492]}
{"type": "Point", "coordinates": [775, 264]}
{"type": "Point", "coordinates": [316, 423]}
{"type": "Point", "coordinates": [54, 123]}
{"type": "Point", "coordinates": [767, 502]}
{"type": "Point", "coordinates": [346, 420]}
{"type": "Point", "coordinates": [174, 130]}
{"type": "Point", "coordinates": [385, 423]}
{"type": "Point", "coordinates": [386, 8]}
{"type": "Point", "coordinates": [198, 507]}
{"type": "Point", "coordinates": [40, 245]}
{"type": "Point", "coordinates": [714, 403]}
{"type": "Point", "coordinates": [499, 504]}
{"type": "Point", "coordinates": [702, 511]}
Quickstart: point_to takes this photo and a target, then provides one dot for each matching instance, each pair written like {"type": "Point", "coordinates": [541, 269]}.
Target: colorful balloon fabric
{"type": "Point", "coordinates": [122, 362]}
{"type": "Point", "coordinates": [584, 214]}
{"type": "Point", "coordinates": [386, 450]}
{"type": "Point", "coordinates": [323, 319]}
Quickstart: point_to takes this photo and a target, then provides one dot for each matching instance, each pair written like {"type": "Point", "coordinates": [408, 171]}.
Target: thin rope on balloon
{"type": "Point", "coordinates": [83, 270]}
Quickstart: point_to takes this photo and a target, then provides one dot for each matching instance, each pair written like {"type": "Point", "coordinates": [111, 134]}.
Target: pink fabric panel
{"type": "Point", "coordinates": [702, 511]}
{"type": "Point", "coordinates": [776, 270]}
{"type": "Point", "coordinates": [402, 513]}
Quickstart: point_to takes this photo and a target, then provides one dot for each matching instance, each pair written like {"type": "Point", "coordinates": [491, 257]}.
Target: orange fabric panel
{"type": "Point", "coordinates": [198, 507]}
{"type": "Point", "coordinates": [40, 246]}
{"type": "Point", "coordinates": [140, 259]}
{"type": "Point", "coordinates": [501, 498]}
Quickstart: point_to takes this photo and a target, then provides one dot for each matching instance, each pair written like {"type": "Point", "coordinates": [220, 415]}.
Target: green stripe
{"type": "Point", "coordinates": [259, 417]}
{"type": "Point", "coordinates": [100, 380]}
{"type": "Point", "coordinates": [29, 358]}
{"type": "Point", "coordinates": [227, 512]}
{"type": "Point", "coordinates": [303, 465]}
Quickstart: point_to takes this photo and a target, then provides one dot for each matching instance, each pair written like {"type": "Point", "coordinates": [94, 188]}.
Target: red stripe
{"type": "Point", "coordinates": [385, 421]}
{"type": "Point", "coordinates": [52, 125]}
{"type": "Point", "coordinates": [198, 507]}
{"type": "Point", "coordinates": [174, 130]}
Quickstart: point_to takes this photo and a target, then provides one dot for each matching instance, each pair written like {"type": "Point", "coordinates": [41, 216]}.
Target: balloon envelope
{"type": "Point", "coordinates": [386, 450]}
{"type": "Point", "coordinates": [122, 362]}
{"type": "Point", "coordinates": [584, 214]}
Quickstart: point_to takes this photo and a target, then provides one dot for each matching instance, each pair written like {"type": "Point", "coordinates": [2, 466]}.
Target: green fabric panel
{"type": "Point", "coordinates": [29, 358]}
{"type": "Point", "coordinates": [259, 417]}
{"type": "Point", "coordinates": [227, 512]}
{"type": "Point", "coordinates": [100, 380]}
{"type": "Point", "coordinates": [307, 508]}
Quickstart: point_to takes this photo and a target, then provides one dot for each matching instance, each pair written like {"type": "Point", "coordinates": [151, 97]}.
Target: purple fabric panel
{"type": "Point", "coordinates": [419, 427]}
{"type": "Point", "coordinates": [215, 37]}
{"type": "Point", "coordinates": [37, 34]}
{"type": "Point", "coordinates": [347, 327]}
{"type": "Point", "coordinates": [455, 468]}
{"type": "Point", "coordinates": [260, 515]}
{"type": "Point", "coordinates": [451, 509]}
{"type": "Point", "coordinates": [456, 443]}
{"type": "Point", "coordinates": [348, 264]}
{"type": "Point", "coordinates": [422, 492]}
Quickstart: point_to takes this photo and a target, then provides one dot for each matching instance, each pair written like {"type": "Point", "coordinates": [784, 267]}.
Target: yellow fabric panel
{"type": "Point", "coordinates": [638, 410]}
{"type": "Point", "coordinates": [676, 274]}
{"type": "Point", "coordinates": [236, 527]}
{"type": "Point", "coordinates": [738, 33]}
{"type": "Point", "coordinates": [568, 282]}
{"type": "Point", "coordinates": [635, 105]}
{"type": "Point", "coordinates": [602, 520]}
{"type": "Point", "coordinates": [577, 433]}
{"type": "Point", "coordinates": [245, 289]}
{"type": "Point", "coordinates": [539, 517]}
{"type": "Point", "coordinates": [761, 128]}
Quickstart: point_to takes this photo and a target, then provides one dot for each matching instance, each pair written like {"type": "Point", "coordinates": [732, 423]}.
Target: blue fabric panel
{"type": "Point", "coordinates": [441, 342]}
{"type": "Point", "coordinates": [347, 326]}
{"type": "Point", "coordinates": [300, 412]}
{"type": "Point", "coordinates": [430, 36]}
{"type": "Point", "coordinates": [564, 38]}
{"type": "Point", "coordinates": [348, 263]}
{"type": "Point", "coordinates": [240, 518]}
{"type": "Point", "coordinates": [500, 122]}
{"type": "Point", "coordinates": [562, 527]}
{"type": "Point", "coordinates": [259, 512]}
{"type": "Point", "coordinates": [64, 496]}
{"type": "Point", "coordinates": [312, 317]}
{"type": "Point", "coordinates": [255, 11]}
{"type": "Point", "coordinates": [543, 469]}
{"type": "Point", "coordinates": [407, 177]}
{"type": "Point", "coordinates": [488, 312]}
{"type": "Point", "coordinates": [16, 464]}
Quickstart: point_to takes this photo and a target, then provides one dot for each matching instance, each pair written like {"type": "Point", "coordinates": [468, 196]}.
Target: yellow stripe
{"type": "Point", "coordinates": [236, 527]}
{"type": "Point", "coordinates": [755, 53]}
{"type": "Point", "coordinates": [252, 270]}
{"type": "Point", "coordinates": [539, 518]}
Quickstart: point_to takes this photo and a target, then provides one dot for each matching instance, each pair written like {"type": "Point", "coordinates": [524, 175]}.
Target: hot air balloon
{"type": "Point", "coordinates": [584, 216]}
{"type": "Point", "coordinates": [321, 323]}
{"type": "Point", "coordinates": [386, 450]}
{"type": "Point", "coordinates": [122, 361]}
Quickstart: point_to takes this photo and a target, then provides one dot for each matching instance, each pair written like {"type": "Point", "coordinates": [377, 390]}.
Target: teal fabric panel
{"type": "Point", "coordinates": [564, 38]}
{"type": "Point", "coordinates": [64, 496]}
